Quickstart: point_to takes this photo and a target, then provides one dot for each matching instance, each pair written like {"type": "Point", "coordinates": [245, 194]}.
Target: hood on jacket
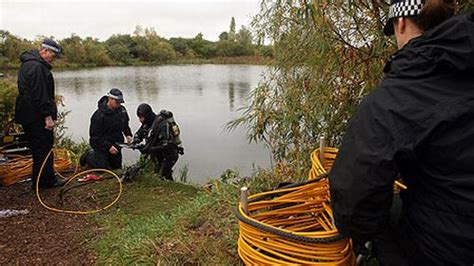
{"type": "Point", "coordinates": [447, 48]}
{"type": "Point", "coordinates": [35, 56]}
{"type": "Point", "coordinates": [145, 111]}
{"type": "Point", "coordinates": [102, 105]}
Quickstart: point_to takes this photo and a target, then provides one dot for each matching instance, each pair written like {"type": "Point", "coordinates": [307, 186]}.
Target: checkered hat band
{"type": "Point", "coordinates": [406, 8]}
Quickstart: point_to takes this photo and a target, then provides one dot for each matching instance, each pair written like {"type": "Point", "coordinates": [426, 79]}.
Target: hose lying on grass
{"type": "Point", "coordinates": [19, 167]}
{"type": "Point", "coordinates": [72, 178]}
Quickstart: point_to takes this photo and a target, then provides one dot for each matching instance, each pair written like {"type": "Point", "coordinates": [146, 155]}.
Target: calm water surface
{"type": "Point", "coordinates": [203, 99]}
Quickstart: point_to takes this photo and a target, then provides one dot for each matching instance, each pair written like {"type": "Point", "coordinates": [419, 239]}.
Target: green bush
{"type": "Point", "coordinates": [8, 93]}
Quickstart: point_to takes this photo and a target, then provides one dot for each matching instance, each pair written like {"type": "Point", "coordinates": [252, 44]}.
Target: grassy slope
{"type": "Point", "coordinates": [159, 222]}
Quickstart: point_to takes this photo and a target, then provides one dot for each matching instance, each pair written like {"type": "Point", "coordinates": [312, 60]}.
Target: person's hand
{"type": "Point", "coordinates": [49, 123]}
{"type": "Point", "coordinates": [113, 150]}
{"type": "Point", "coordinates": [142, 149]}
{"type": "Point", "coordinates": [129, 140]}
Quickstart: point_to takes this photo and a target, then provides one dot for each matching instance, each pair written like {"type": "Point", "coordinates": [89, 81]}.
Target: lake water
{"type": "Point", "coordinates": [203, 98]}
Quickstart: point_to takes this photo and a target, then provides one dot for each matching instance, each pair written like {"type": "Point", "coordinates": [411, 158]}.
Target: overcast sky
{"type": "Point", "coordinates": [102, 18]}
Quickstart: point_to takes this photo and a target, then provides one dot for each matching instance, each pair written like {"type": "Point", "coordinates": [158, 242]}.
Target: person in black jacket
{"type": "Point", "coordinates": [36, 108]}
{"type": "Point", "coordinates": [109, 124]}
{"type": "Point", "coordinates": [161, 135]}
{"type": "Point", "coordinates": [418, 124]}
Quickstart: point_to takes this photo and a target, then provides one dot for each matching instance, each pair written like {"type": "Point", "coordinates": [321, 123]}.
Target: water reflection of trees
{"type": "Point", "coordinates": [242, 89]}
{"type": "Point", "coordinates": [231, 96]}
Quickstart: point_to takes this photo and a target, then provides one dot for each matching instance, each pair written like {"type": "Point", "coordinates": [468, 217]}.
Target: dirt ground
{"type": "Point", "coordinates": [41, 236]}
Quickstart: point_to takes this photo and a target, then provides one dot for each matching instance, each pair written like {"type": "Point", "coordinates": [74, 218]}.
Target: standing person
{"type": "Point", "coordinates": [161, 134]}
{"type": "Point", "coordinates": [418, 124]}
{"type": "Point", "coordinates": [36, 108]}
{"type": "Point", "coordinates": [109, 125]}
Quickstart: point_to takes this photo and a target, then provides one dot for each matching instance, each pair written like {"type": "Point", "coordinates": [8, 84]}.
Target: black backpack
{"type": "Point", "coordinates": [173, 126]}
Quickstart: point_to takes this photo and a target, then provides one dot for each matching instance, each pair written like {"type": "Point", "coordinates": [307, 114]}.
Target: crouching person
{"type": "Point", "coordinates": [109, 124]}
{"type": "Point", "coordinates": [161, 135]}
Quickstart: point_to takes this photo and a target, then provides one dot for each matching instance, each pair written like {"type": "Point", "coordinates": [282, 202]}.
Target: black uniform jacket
{"type": "Point", "coordinates": [419, 124]}
{"type": "Point", "coordinates": [108, 126]}
{"type": "Point", "coordinates": [36, 90]}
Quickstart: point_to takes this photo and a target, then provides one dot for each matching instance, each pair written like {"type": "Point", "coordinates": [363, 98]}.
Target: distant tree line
{"type": "Point", "coordinates": [144, 46]}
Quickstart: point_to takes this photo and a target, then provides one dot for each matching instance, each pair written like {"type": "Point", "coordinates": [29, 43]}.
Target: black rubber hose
{"type": "Point", "coordinates": [66, 189]}
{"type": "Point", "coordinates": [289, 236]}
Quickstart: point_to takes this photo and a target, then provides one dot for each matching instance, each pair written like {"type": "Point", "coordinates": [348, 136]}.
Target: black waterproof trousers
{"type": "Point", "coordinates": [164, 162]}
{"type": "Point", "coordinates": [40, 141]}
{"type": "Point", "coordinates": [102, 160]}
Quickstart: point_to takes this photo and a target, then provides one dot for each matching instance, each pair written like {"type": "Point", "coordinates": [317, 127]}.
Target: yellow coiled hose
{"type": "Point", "coordinates": [294, 225]}
{"type": "Point", "coordinates": [70, 179]}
